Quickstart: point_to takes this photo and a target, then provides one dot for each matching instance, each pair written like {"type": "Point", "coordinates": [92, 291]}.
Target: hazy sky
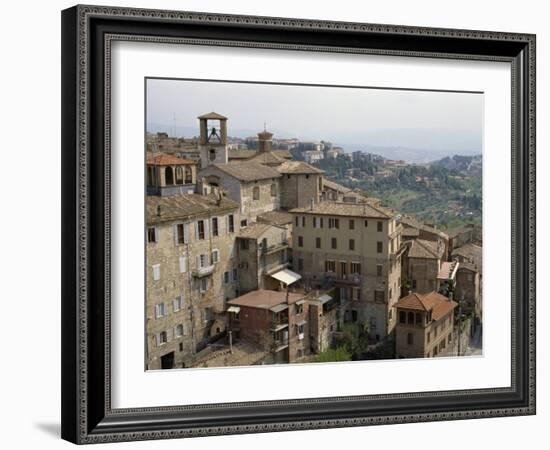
{"type": "Point", "coordinates": [349, 116]}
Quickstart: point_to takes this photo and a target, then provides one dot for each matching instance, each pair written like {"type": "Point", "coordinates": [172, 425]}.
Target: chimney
{"type": "Point", "coordinates": [264, 141]}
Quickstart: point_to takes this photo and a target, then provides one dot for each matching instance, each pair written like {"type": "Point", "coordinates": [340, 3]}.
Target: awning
{"type": "Point", "coordinates": [278, 308]}
{"type": "Point", "coordinates": [325, 298]}
{"type": "Point", "coordinates": [234, 309]}
{"type": "Point", "coordinates": [287, 276]}
{"type": "Point", "coordinates": [300, 302]}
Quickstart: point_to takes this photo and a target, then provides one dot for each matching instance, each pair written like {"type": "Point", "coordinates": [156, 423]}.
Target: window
{"type": "Point", "coordinates": [243, 223]}
{"type": "Point", "coordinates": [355, 268]}
{"type": "Point", "coordinates": [156, 272]}
{"type": "Point", "coordinates": [449, 338]}
{"type": "Point", "coordinates": [202, 261]}
{"type": "Point", "coordinates": [151, 234]}
{"type": "Point", "coordinates": [317, 222]}
{"type": "Point", "coordinates": [160, 310]}
{"type": "Point", "coordinates": [429, 336]}
{"type": "Point", "coordinates": [414, 284]}
{"type": "Point", "coordinates": [318, 242]}
{"type": "Point", "coordinates": [300, 241]}
{"type": "Point", "coordinates": [300, 264]}
{"type": "Point", "coordinates": [234, 274]}
{"type": "Point", "coordinates": [178, 303]}
{"type": "Point", "coordinates": [231, 223]}
{"type": "Point", "coordinates": [207, 314]}
{"type": "Point", "coordinates": [244, 244]}
{"type": "Point", "coordinates": [226, 277]}
{"type": "Point", "coordinates": [379, 268]}
{"type": "Point", "coordinates": [372, 323]}
{"type": "Point", "coordinates": [352, 244]}
{"type": "Point", "coordinates": [200, 229]}
{"type": "Point", "coordinates": [410, 339]}
{"type": "Point", "coordinates": [343, 267]}
{"type": "Point", "coordinates": [215, 228]}
{"type": "Point", "coordinates": [178, 331]}
{"type": "Point", "coordinates": [333, 223]}
{"type": "Point", "coordinates": [215, 256]}
{"type": "Point", "coordinates": [379, 226]}
{"type": "Point", "coordinates": [355, 291]}
{"type": "Point", "coordinates": [203, 286]}
{"type": "Point", "coordinates": [182, 233]}
{"type": "Point", "coordinates": [333, 243]}
{"type": "Point", "coordinates": [352, 224]}
{"type": "Point", "coordinates": [303, 221]}
{"type": "Point", "coordinates": [297, 221]}
{"type": "Point", "coordinates": [183, 264]}
{"type": "Point", "coordinates": [418, 319]}
{"type": "Point", "coordinates": [256, 193]}
{"type": "Point", "coordinates": [299, 309]}
{"type": "Point", "coordinates": [169, 176]}
{"type": "Point", "coordinates": [188, 175]}
{"type": "Point", "coordinates": [162, 338]}
{"type": "Point", "coordinates": [330, 266]}
{"type": "Point", "coordinates": [403, 317]}
{"type": "Point", "coordinates": [379, 247]}
{"type": "Point", "coordinates": [273, 190]}
{"type": "Point", "coordinates": [379, 296]}
{"type": "Point", "coordinates": [366, 223]}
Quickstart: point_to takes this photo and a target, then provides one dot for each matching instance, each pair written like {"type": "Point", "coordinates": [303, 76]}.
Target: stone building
{"type": "Point", "coordinates": [300, 184]}
{"type": "Point", "coordinates": [191, 271]}
{"type": "Point", "coordinates": [169, 175]}
{"type": "Point", "coordinates": [253, 185]}
{"type": "Point", "coordinates": [276, 321]}
{"type": "Point", "coordinates": [468, 234]}
{"type": "Point", "coordinates": [425, 326]}
{"type": "Point", "coordinates": [421, 265]}
{"type": "Point", "coordinates": [414, 229]}
{"type": "Point", "coordinates": [357, 248]}
{"type": "Point", "coordinates": [468, 288]}
{"type": "Point", "coordinates": [262, 252]}
{"type": "Point", "coordinates": [325, 322]}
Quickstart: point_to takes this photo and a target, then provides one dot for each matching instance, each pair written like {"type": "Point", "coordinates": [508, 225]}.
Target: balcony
{"type": "Point", "coordinates": [275, 248]}
{"type": "Point", "coordinates": [203, 271]}
{"type": "Point", "coordinates": [353, 279]}
{"type": "Point", "coordinates": [279, 344]}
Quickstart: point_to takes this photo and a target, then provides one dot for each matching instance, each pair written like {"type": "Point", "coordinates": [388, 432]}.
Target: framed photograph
{"type": "Point", "coordinates": [281, 224]}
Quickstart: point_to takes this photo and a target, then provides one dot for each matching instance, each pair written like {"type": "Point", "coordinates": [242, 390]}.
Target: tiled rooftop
{"type": "Point", "coordinates": [346, 209]}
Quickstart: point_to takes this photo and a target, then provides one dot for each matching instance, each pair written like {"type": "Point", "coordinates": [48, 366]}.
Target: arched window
{"type": "Point", "coordinates": [169, 175]}
{"type": "Point", "coordinates": [179, 175]}
{"type": "Point", "coordinates": [188, 175]}
{"type": "Point", "coordinates": [256, 193]}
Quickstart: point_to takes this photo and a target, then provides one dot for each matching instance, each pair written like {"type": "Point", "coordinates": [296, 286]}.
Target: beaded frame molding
{"type": "Point", "coordinates": [87, 34]}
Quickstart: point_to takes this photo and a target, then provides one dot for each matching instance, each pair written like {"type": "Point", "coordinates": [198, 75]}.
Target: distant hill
{"type": "Point", "coordinates": [458, 162]}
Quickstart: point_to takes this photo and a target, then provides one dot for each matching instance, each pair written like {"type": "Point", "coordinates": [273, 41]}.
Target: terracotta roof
{"type": "Point", "coordinates": [345, 209]}
{"type": "Point", "coordinates": [335, 186]}
{"type": "Point", "coordinates": [212, 116]}
{"type": "Point", "coordinates": [247, 170]}
{"type": "Point", "coordinates": [472, 253]}
{"type": "Point", "coordinates": [267, 158]}
{"type": "Point", "coordinates": [265, 299]}
{"type": "Point", "coordinates": [289, 167]}
{"type": "Point", "coordinates": [254, 230]}
{"type": "Point", "coordinates": [162, 159]}
{"type": "Point", "coordinates": [275, 217]}
{"type": "Point", "coordinates": [448, 270]}
{"type": "Point", "coordinates": [185, 206]}
{"type": "Point", "coordinates": [241, 154]}
{"type": "Point", "coordinates": [433, 301]}
{"type": "Point", "coordinates": [410, 232]}
{"type": "Point", "coordinates": [420, 248]}
{"type": "Point", "coordinates": [285, 154]}
{"type": "Point", "coordinates": [414, 223]}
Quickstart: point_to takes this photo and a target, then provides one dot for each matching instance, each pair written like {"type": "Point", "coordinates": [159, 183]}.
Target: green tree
{"type": "Point", "coordinates": [333, 355]}
{"type": "Point", "coordinates": [354, 338]}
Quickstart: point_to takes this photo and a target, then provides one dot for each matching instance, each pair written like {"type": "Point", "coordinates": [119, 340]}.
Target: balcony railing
{"type": "Point", "coordinates": [275, 248]}
{"type": "Point", "coordinates": [203, 271]}
{"type": "Point", "coordinates": [279, 344]}
{"type": "Point", "coordinates": [348, 278]}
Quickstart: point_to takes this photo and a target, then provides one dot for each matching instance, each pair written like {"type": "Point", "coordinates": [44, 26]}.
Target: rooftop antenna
{"type": "Point", "coordinates": [265, 129]}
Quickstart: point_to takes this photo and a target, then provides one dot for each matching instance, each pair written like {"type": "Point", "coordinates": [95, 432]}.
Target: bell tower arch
{"type": "Point", "coordinates": [213, 139]}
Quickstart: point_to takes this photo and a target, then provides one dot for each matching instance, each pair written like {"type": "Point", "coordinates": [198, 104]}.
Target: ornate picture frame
{"type": "Point", "coordinates": [88, 33]}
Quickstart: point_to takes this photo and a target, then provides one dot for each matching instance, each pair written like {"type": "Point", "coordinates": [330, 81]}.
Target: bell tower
{"type": "Point", "coordinates": [213, 139]}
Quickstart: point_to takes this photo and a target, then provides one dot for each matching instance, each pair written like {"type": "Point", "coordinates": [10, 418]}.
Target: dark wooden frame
{"type": "Point", "coordinates": [87, 416]}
